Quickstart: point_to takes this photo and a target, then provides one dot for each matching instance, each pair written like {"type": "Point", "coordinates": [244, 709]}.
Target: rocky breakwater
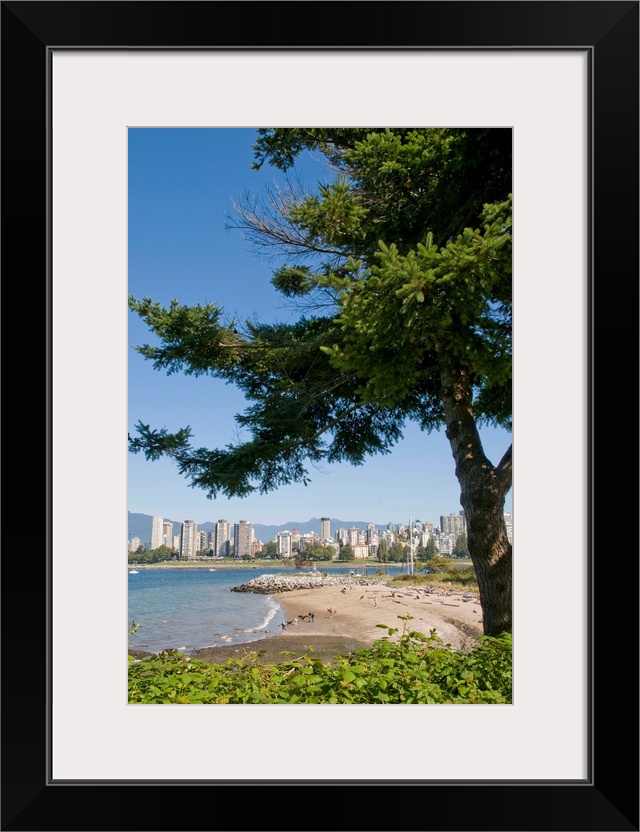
{"type": "Point", "coordinates": [272, 584]}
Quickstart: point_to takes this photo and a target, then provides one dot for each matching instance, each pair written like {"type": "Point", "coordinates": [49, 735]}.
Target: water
{"type": "Point", "coordinates": [188, 609]}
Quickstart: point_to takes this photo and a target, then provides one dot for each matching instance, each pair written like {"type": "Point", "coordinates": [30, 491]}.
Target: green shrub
{"type": "Point", "coordinates": [416, 669]}
{"type": "Point", "coordinates": [464, 575]}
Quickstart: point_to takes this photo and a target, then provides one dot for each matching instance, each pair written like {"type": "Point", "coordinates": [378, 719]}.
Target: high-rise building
{"type": "Point", "coordinates": [201, 541]}
{"type": "Point", "coordinates": [156, 532]}
{"type": "Point", "coordinates": [325, 528]}
{"type": "Point", "coordinates": [222, 543]}
{"type": "Point", "coordinates": [167, 534]}
{"type": "Point", "coordinates": [446, 542]}
{"type": "Point", "coordinates": [453, 524]}
{"type": "Point", "coordinates": [188, 532]}
{"type": "Point", "coordinates": [283, 540]}
{"type": "Point", "coordinates": [242, 539]}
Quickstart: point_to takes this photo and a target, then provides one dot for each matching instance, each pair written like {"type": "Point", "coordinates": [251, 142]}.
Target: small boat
{"type": "Point", "coordinates": [133, 571]}
{"type": "Point", "coordinates": [212, 569]}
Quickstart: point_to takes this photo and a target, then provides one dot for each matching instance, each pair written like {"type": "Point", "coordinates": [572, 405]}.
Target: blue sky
{"type": "Point", "coordinates": [181, 186]}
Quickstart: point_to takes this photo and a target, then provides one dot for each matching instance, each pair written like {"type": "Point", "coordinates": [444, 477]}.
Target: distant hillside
{"type": "Point", "coordinates": [140, 526]}
{"type": "Point", "coordinates": [266, 533]}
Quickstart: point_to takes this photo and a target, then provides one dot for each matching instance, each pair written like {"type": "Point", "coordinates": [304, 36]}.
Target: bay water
{"type": "Point", "coordinates": [188, 609]}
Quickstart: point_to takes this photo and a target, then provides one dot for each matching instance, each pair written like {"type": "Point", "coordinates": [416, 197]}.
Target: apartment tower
{"type": "Point", "coordinates": [325, 528]}
{"type": "Point", "coordinates": [188, 532]}
{"type": "Point", "coordinates": [242, 539]}
{"type": "Point", "coordinates": [156, 532]}
{"type": "Point", "coordinates": [222, 543]}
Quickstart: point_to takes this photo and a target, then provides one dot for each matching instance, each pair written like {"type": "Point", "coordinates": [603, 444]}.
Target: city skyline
{"type": "Point", "coordinates": [241, 539]}
{"type": "Point", "coordinates": [181, 186]}
{"type": "Point", "coordinates": [323, 522]}
{"type": "Point", "coordinates": [172, 528]}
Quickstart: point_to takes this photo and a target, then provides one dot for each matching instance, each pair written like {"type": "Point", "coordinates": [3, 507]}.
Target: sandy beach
{"type": "Point", "coordinates": [357, 610]}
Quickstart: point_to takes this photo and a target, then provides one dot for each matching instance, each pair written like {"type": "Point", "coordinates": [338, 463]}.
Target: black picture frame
{"type": "Point", "coordinates": [607, 800]}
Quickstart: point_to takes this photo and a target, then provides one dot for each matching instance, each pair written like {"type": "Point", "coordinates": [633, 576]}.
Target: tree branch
{"type": "Point", "coordinates": [266, 226]}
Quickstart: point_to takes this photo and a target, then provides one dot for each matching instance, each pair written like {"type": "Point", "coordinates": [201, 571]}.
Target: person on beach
{"type": "Point", "coordinates": [310, 616]}
{"type": "Point", "coordinates": [284, 626]}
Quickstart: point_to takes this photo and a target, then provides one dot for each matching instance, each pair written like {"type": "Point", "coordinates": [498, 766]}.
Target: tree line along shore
{"type": "Point", "coordinates": [347, 566]}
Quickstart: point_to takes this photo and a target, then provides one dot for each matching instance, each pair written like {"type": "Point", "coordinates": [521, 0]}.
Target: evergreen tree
{"type": "Point", "coordinates": [431, 549]}
{"type": "Point", "coordinates": [346, 553]}
{"type": "Point", "coordinates": [270, 549]}
{"type": "Point", "coordinates": [460, 550]}
{"type": "Point", "coordinates": [404, 258]}
{"type": "Point", "coordinates": [383, 551]}
{"type": "Point", "coordinates": [398, 552]}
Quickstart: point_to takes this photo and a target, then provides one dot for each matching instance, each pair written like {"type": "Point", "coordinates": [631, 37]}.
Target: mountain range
{"type": "Point", "coordinates": [140, 526]}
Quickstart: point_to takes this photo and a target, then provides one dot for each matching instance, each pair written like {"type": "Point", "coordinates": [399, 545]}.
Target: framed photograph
{"type": "Point", "coordinates": [564, 77]}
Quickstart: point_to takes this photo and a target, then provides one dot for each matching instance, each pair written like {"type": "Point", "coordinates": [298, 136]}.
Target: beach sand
{"type": "Point", "coordinates": [456, 617]}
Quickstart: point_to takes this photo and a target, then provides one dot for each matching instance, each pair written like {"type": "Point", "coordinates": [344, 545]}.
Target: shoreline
{"type": "Point", "coordinates": [345, 567]}
{"type": "Point", "coordinates": [357, 612]}
{"type": "Point", "coordinates": [199, 564]}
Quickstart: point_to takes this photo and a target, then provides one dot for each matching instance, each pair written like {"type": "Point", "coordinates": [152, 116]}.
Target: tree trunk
{"type": "Point", "coordinates": [483, 488]}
